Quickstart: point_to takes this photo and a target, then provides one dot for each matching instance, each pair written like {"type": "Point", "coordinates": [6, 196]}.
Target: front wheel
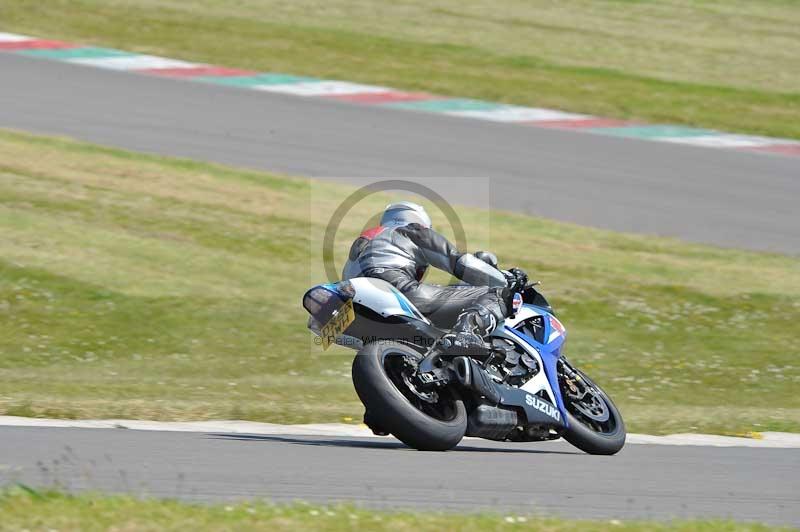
{"type": "Point", "coordinates": [595, 424]}
{"type": "Point", "coordinates": [384, 376]}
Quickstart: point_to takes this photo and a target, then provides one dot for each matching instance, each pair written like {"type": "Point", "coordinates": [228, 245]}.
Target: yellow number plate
{"type": "Point", "coordinates": [340, 321]}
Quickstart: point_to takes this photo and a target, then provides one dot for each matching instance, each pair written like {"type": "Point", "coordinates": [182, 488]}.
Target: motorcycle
{"type": "Point", "coordinates": [520, 388]}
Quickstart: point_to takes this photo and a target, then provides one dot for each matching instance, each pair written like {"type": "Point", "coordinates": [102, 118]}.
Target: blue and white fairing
{"type": "Point", "coordinates": [383, 298]}
{"type": "Point", "coordinates": [546, 354]}
{"type": "Point", "coordinates": [375, 294]}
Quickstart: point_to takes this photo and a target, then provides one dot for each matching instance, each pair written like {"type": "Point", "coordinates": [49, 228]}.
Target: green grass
{"type": "Point", "coordinates": [134, 286]}
{"type": "Point", "coordinates": [727, 64]}
{"type": "Point", "coordinates": [27, 509]}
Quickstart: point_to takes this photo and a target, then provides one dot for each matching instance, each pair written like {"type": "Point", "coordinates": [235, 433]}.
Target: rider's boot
{"type": "Point", "coordinates": [472, 325]}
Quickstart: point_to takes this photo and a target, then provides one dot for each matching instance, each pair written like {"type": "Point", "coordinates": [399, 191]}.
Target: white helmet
{"type": "Point", "coordinates": [404, 213]}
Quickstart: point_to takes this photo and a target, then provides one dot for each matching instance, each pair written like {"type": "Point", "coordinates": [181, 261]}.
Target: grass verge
{"type": "Point", "coordinates": [27, 509]}
{"type": "Point", "coordinates": [727, 64]}
{"type": "Point", "coordinates": [134, 286]}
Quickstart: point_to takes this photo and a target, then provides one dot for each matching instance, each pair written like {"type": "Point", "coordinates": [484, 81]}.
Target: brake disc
{"type": "Point", "coordinates": [592, 406]}
{"type": "Point", "coordinates": [428, 397]}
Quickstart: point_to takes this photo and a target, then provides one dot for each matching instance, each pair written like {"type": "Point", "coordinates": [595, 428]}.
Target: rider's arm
{"type": "Point", "coordinates": [474, 271]}
{"type": "Point", "coordinates": [440, 253]}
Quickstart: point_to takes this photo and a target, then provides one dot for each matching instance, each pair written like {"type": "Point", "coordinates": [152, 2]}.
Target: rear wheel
{"type": "Point", "coordinates": [384, 376]}
{"type": "Point", "coordinates": [595, 424]}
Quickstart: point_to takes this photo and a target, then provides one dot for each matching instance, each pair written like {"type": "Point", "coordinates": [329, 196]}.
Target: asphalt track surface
{"type": "Point", "coordinates": [642, 481]}
{"type": "Point", "coordinates": [723, 197]}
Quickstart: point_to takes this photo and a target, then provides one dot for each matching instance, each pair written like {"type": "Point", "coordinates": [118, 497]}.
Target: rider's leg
{"type": "Point", "coordinates": [471, 312]}
{"type": "Point", "coordinates": [444, 304]}
{"type": "Point", "coordinates": [465, 309]}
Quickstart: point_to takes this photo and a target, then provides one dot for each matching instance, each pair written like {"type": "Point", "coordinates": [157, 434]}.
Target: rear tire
{"type": "Point", "coordinates": [589, 439]}
{"type": "Point", "coordinates": [389, 400]}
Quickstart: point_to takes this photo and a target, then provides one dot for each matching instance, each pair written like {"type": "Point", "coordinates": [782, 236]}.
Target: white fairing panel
{"type": "Point", "coordinates": [522, 314]}
{"type": "Point", "coordinates": [384, 299]}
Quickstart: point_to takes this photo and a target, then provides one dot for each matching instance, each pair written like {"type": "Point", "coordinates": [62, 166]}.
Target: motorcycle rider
{"type": "Point", "coordinates": [400, 250]}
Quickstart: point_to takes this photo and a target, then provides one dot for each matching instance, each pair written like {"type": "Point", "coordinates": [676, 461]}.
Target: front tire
{"type": "Point", "coordinates": [427, 421]}
{"type": "Point", "coordinates": [585, 432]}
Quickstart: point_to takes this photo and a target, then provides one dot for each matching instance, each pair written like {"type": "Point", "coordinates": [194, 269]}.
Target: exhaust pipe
{"type": "Point", "coordinates": [463, 370]}
{"type": "Point", "coordinates": [471, 375]}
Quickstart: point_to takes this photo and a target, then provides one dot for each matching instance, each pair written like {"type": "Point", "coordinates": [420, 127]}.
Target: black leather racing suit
{"type": "Point", "coordinates": [402, 254]}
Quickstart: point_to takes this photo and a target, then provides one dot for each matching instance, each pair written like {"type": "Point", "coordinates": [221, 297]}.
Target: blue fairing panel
{"type": "Point", "coordinates": [550, 352]}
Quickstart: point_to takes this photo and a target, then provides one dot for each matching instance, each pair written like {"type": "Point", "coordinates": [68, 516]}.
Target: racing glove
{"type": "Point", "coordinates": [516, 279]}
